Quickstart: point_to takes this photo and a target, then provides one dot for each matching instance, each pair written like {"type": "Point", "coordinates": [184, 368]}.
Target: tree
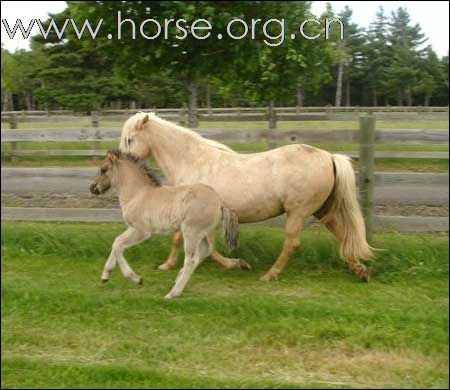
{"type": "Point", "coordinates": [406, 47]}
{"type": "Point", "coordinates": [430, 75]}
{"type": "Point", "coordinates": [378, 57]}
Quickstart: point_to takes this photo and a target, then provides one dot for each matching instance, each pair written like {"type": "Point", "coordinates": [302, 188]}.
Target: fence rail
{"type": "Point", "coordinates": [410, 136]}
{"type": "Point", "coordinates": [102, 153]}
{"type": "Point", "coordinates": [268, 114]}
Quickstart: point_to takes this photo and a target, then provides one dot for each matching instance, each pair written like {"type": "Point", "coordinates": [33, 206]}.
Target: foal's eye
{"type": "Point", "coordinates": [129, 141]}
{"type": "Point", "coordinates": [103, 171]}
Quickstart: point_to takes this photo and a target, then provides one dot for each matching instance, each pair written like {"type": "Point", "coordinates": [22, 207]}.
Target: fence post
{"type": "Point", "coordinates": [94, 123]}
{"type": "Point", "coordinates": [13, 125]}
{"type": "Point", "coordinates": [182, 116]}
{"type": "Point", "coordinates": [192, 117]}
{"type": "Point", "coordinates": [12, 121]}
{"type": "Point", "coordinates": [272, 119]}
{"type": "Point", "coordinates": [366, 169]}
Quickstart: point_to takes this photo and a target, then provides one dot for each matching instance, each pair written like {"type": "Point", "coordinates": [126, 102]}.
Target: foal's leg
{"type": "Point", "coordinates": [192, 250]}
{"type": "Point", "coordinates": [171, 261]}
{"type": "Point", "coordinates": [293, 228]}
{"type": "Point", "coordinates": [128, 238]}
{"type": "Point", "coordinates": [225, 261]}
{"type": "Point", "coordinates": [359, 269]}
{"type": "Point", "coordinates": [204, 250]}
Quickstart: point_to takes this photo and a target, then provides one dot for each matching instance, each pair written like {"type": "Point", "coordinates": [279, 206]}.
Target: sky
{"type": "Point", "coordinates": [433, 17]}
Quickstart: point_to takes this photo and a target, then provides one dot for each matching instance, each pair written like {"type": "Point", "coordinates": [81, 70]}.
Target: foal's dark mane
{"type": "Point", "coordinates": [140, 163]}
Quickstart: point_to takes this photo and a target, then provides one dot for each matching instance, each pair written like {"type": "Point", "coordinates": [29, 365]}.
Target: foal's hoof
{"type": "Point", "coordinates": [140, 282]}
{"type": "Point", "coordinates": [104, 280]}
{"type": "Point", "coordinates": [269, 277]}
{"type": "Point", "coordinates": [244, 265]}
{"type": "Point", "coordinates": [166, 267]}
{"type": "Point", "coordinates": [170, 296]}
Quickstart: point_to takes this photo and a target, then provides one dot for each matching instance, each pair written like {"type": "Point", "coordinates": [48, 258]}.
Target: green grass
{"type": "Point", "coordinates": [249, 146]}
{"type": "Point", "coordinates": [338, 125]}
{"type": "Point", "coordinates": [316, 327]}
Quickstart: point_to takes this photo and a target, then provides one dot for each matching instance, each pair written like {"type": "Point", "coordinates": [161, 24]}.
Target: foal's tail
{"type": "Point", "coordinates": [230, 227]}
{"type": "Point", "coordinates": [346, 209]}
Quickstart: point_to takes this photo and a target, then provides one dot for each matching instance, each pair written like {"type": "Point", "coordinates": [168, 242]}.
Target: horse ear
{"type": "Point", "coordinates": [143, 121]}
{"type": "Point", "coordinates": [112, 156]}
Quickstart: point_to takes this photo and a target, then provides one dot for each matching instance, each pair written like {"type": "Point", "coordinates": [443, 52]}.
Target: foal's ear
{"type": "Point", "coordinates": [112, 157]}
{"type": "Point", "coordinates": [142, 122]}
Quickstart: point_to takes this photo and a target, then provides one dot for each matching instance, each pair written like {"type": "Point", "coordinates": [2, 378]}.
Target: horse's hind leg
{"type": "Point", "coordinates": [293, 228]}
{"type": "Point", "coordinates": [225, 261]}
{"type": "Point", "coordinates": [171, 261]}
{"type": "Point", "coordinates": [355, 266]}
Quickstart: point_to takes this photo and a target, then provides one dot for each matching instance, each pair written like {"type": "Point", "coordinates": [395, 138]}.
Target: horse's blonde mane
{"type": "Point", "coordinates": [153, 117]}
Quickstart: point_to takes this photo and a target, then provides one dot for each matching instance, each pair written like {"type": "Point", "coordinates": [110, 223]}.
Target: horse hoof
{"type": "Point", "coordinates": [244, 265]}
{"type": "Point", "coordinates": [105, 280]}
{"type": "Point", "coordinates": [169, 296]}
{"type": "Point", "coordinates": [366, 276]}
{"type": "Point", "coordinates": [165, 267]}
{"type": "Point", "coordinates": [269, 277]}
{"type": "Point", "coordinates": [140, 281]}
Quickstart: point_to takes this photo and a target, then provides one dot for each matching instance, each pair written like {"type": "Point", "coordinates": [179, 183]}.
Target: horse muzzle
{"type": "Point", "coordinates": [94, 189]}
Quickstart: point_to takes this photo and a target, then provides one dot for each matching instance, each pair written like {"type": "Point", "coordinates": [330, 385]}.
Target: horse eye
{"type": "Point", "coordinates": [129, 141]}
{"type": "Point", "coordinates": [103, 171]}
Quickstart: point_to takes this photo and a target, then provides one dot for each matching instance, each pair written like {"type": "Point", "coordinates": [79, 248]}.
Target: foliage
{"type": "Point", "coordinates": [389, 63]}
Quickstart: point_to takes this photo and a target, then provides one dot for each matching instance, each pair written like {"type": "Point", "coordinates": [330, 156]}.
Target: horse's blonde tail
{"type": "Point", "coordinates": [230, 227]}
{"type": "Point", "coordinates": [345, 208]}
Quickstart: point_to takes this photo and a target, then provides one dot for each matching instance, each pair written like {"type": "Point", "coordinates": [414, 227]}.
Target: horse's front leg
{"type": "Point", "coordinates": [128, 238]}
{"type": "Point", "coordinates": [195, 250]}
{"type": "Point", "coordinates": [171, 261]}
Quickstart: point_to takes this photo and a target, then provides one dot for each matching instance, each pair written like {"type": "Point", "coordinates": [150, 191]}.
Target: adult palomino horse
{"type": "Point", "coordinates": [149, 208]}
{"type": "Point", "coordinates": [298, 180]}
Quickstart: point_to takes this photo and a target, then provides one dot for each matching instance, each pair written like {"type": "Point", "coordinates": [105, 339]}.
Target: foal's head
{"type": "Point", "coordinates": [108, 177]}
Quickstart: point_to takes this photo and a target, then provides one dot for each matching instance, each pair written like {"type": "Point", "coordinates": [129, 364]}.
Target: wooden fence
{"type": "Point", "coordinates": [419, 193]}
{"type": "Point", "coordinates": [271, 115]}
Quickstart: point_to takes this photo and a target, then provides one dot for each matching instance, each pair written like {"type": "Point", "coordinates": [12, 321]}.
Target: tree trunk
{"type": "Point", "coordinates": [427, 100]}
{"type": "Point", "coordinates": [193, 121]}
{"type": "Point", "coordinates": [208, 97]}
{"type": "Point", "coordinates": [6, 101]}
{"type": "Point", "coordinates": [374, 97]}
{"type": "Point", "coordinates": [133, 104]}
{"type": "Point", "coordinates": [400, 97]}
{"type": "Point", "coordinates": [299, 95]}
{"type": "Point", "coordinates": [339, 84]}
{"type": "Point", "coordinates": [28, 103]}
{"type": "Point", "coordinates": [409, 97]}
{"type": "Point", "coordinates": [347, 93]}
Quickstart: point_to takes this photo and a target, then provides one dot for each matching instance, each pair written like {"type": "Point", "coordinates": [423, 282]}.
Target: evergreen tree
{"type": "Point", "coordinates": [406, 50]}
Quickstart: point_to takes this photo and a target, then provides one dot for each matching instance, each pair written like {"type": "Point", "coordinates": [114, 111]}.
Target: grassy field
{"type": "Point", "coordinates": [381, 124]}
{"type": "Point", "coordinates": [381, 164]}
{"type": "Point", "coordinates": [316, 327]}
{"type": "Point", "coordinates": [249, 146]}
